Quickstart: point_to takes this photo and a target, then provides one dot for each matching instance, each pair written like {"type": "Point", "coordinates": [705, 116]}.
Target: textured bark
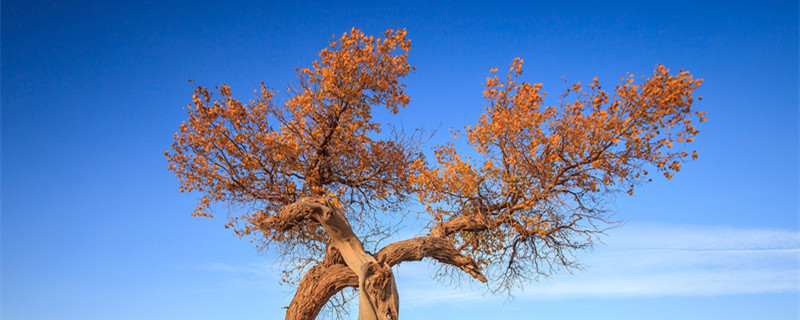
{"type": "Point", "coordinates": [465, 223]}
{"type": "Point", "coordinates": [441, 249]}
{"type": "Point", "coordinates": [317, 287]}
{"type": "Point", "coordinates": [346, 264]}
{"type": "Point", "coordinates": [332, 275]}
{"type": "Point", "coordinates": [378, 298]}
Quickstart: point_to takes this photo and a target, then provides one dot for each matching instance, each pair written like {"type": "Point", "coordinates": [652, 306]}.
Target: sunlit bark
{"type": "Point", "coordinates": [377, 292]}
{"type": "Point", "coordinates": [348, 265]}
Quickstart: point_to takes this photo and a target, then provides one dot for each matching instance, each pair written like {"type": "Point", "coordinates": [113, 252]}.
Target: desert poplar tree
{"type": "Point", "coordinates": [311, 178]}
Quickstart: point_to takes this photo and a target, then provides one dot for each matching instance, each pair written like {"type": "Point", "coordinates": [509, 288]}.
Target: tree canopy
{"type": "Point", "coordinates": [315, 176]}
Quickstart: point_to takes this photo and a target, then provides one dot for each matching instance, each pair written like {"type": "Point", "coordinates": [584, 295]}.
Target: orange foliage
{"type": "Point", "coordinates": [544, 168]}
{"type": "Point", "coordinates": [319, 143]}
{"type": "Point", "coordinates": [538, 183]}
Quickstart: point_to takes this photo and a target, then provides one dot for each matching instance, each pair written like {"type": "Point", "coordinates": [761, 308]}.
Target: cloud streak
{"type": "Point", "coordinates": [635, 261]}
{"type": "Point", "coordinates": [658, 260]}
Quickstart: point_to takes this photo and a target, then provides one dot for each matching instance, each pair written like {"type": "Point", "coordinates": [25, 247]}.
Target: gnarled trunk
{"type": "Point", "coordinates": [346, 264]}
{"type": "Point", "coordinates": [377, 294]}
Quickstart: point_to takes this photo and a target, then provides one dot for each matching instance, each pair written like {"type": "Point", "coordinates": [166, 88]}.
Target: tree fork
{"type": "Point", "coordinates": [377, 291]}
{"type": "Point", "coordinates": [377, 294]}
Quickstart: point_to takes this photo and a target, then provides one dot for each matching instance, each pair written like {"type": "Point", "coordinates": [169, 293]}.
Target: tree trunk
{"type": "Point", "coordinates": [346, 264]}
{"type": "Point", "coordinates": [377, 292]}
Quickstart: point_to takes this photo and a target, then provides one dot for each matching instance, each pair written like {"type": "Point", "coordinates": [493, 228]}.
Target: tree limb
{"type": "Point", "coordinates": [332, 275]}
{"type": "Point", "coordinates": [441, 249]}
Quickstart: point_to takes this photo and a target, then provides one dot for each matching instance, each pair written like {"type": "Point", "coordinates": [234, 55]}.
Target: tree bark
{"type": "Point", "coordinates": [346, 264]}
{"type": "Point", "coordinates": [317, 287]}
{"type": "Point", "coordinates": [377, 294]}
{"type": "Point", "coordinates": [441, 249]}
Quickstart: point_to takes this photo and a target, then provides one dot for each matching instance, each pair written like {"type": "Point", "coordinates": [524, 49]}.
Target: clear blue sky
{"type": "Point", "coordinates": [93, 226]}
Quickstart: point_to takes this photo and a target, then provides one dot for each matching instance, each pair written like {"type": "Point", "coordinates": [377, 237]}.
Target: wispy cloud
{"type": "Point", "coordinates": [259, 269]}
{"type": "Point", "coordinates": [239, 276]}
{"type": "Point", "coordinates": [658, 260]}
{"type": "Point", "coordinates": [635, 261]}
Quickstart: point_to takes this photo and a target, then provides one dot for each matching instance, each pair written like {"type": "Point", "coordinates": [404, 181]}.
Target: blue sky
{"type": "Point", "coordinates": [93, 225]}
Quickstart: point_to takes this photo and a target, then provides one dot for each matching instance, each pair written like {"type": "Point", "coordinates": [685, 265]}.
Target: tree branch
{"type": "Point", "coordinates": [331, 275]}
{"type": "Point", "coordinates": [318, 286]}
{"type": "Point", "coordinates": [441, 249]}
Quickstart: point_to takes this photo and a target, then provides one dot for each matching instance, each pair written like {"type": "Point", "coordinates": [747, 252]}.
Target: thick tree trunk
{"type": "Point", "coordinates": [346, 264]}
{"type": "Point", "coordinates": [377, 294]}
{"type": "Point", "coordinates": [317, 287]}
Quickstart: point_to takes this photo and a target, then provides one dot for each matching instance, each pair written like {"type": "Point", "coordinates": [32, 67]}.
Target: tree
{"type": "Point", "coordinates": [311, 178]}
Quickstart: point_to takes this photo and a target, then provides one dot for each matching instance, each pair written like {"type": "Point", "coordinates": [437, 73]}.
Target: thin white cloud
{"type": "Point", "coordinates": [436, 295]}
{"type": "Point", "coordinates": [658, 260]}
{"type": "Point", "coordinates": [654, 260]}
{"type": "Point", "coordinates": [235, 276]}
{"type": "Point", "coordinates": [635, 261]}
{"type": "Point", "coordinates": [252, 268]}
